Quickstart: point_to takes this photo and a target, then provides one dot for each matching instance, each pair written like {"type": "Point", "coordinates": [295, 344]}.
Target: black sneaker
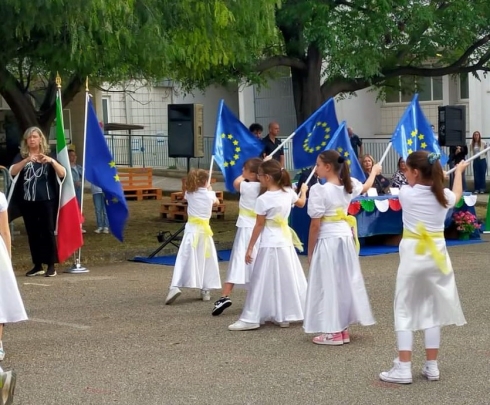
{"type": "Point", "coordinates": [221, 305]}
{"type": "Point", "coordinates": [36, 271]}
{"type": "Point", "coordinates": [51, 272]}
{"type": "Point", "coordinates": [7, 387]}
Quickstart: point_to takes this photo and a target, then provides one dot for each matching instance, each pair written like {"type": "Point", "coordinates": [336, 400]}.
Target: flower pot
{"type": "Point", "coordinates": [464, 236]}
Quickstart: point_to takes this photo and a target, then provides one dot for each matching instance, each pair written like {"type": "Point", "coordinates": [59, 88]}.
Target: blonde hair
{"type": "Point", "coordinates": [43, 145]}
{"type": "Point", "coordinates": [364, 157]}
{"type": "Point", "coordinates": [195, 179]}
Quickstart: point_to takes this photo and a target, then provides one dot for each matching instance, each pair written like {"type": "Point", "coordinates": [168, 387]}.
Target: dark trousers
{"type": "Point", "coordinates": [40, 222]}
{"type": "Point", "coordinates": [451, 177]}
{"type": "Point", "coordinates": [479, 173]}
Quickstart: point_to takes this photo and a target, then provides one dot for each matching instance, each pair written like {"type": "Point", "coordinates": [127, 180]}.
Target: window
{"type": "Point", "coordinates": [464, 86]}
{"type": "Point", "coordinates": [106, 109]}
{"type": "Point", "coordinates": [429, 89]}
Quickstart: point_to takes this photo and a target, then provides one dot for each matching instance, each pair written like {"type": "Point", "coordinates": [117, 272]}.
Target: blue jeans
{"type": "Point", "coordinates": [479, 173]}
{"type": "Point", "coordinates": [100, 212]}
{"type": "Point", "coordinates": [451, 177]}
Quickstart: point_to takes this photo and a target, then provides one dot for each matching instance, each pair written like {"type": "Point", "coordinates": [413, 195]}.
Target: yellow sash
{"type": "Point", "coordinates": [203, 224]}
{"type": "Point", "coordinates": [282, 223]}
{"type": "Point", "coordinates": [351, 221]}
{"type": "Point", "coordinates": [244, 212]}
{"type": "Point", "coordinates": [426, 243]}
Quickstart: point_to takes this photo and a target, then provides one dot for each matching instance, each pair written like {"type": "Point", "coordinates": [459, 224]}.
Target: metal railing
{"type": "Point", "coordinates": [152, 151]}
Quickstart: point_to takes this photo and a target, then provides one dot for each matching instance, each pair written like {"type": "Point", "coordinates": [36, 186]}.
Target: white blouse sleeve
{"type": "Point", "coordinates": [3, 202]}
{"type": "Point", "coordinates": [357, 187]}
{"type": "Point", "coordinates": [261, 206]}
{"type": "Point", "coordinates": [294, 196]}
{"type": "Point", "coordinates": [316, 207]}
{"type": "Point", "coordinates": [450, 197]}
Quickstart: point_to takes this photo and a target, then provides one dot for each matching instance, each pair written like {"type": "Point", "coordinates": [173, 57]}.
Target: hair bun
{"type": "Point", "coordinates": [341, 159]}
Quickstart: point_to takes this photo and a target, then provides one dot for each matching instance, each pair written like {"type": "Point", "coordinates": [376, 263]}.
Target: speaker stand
{"type": "Point", "coordinates": [188, 164]}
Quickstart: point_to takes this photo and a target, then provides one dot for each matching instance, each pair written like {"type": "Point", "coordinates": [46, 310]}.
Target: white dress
{"type": "Point", "coordinates": [239, 272]}
{"type": "Point", "coordinates": [336, 296]}
{"type": "Point", "coordinates": [277, 288]}
{"type": "Point", "coordinates": [196, 265]}
{"type": "Point", "coordinates": [11, 305]}
{"type": "Point", "coordinates": [424, 297]}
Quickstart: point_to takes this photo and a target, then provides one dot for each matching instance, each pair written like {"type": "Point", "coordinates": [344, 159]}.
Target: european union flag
{"type": "Point", "coordinates": [341, 143]}
{"type": "Point", "coordinates": [234, 144]}
{"type": "Point", "coordinates": [414, 132]}
{"type": "Point", "coordinates": [101, 171]}
{"type": "Point", "coordinates": [313, 135]}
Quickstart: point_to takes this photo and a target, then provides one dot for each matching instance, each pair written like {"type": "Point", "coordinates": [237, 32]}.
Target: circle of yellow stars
{"type": "Point", "coordinates": [345, 154]}
{"type": "Point", "coordinates": [306, 143]}
{"type": "Point", "coordinates": [412, 141]}
{"type": "Point", "coordinates": [236, 152]}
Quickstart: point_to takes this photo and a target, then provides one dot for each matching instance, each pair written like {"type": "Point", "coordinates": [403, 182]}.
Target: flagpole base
{"type": "Point", "coordinates": [76, 269]}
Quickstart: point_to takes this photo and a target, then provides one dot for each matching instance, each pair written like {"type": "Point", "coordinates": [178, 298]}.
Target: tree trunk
{"type": "Point", "coordinates": [307, 86]}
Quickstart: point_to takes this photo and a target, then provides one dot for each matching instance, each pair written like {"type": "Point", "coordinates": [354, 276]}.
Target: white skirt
{"type": "Point", "coordinates": [277, 288]}
{"type": "Point", "coordinates": [425, 297]}
{"type": "Point", "coordinates": [336, 296]}
{"type": "Point", "coordinates": [196, 267]}
{"type": "Point", "coordinates": [239, 272]}
{"type": "Point", "coordinates": [11, 305]}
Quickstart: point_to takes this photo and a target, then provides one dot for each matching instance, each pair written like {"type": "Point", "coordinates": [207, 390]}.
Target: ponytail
{"type": "Point", "coordinates": [279, 174]}
{"type": "Point", "coordinates": [344, 175]}
{"type": "Point", "coordinates": [340, 167]}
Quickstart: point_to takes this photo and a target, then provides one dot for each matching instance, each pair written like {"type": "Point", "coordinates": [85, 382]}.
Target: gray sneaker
{"type": "Point", "coordinates": [7, 387]}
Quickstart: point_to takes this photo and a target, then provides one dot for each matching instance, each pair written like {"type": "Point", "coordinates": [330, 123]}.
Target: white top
{"type": "Point", "coordinates": [419, 204]}
{"type": "Point", "coordinates": [249, 192]}
{"type": "Point", "coordinates": [273, 204]}
{"type": "Point", "coordinates": [325, 200]}
{"type": "Point", "coordinates": [477, 149]}
{"type": "Point", "coordinates": [3, 202]}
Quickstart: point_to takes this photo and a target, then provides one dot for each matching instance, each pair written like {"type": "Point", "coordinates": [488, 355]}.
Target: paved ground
{"type": "Point", "coordinates": [106, 337]}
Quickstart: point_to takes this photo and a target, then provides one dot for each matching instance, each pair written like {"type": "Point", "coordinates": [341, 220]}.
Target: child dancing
{"type": "Point", "coordinates": [196, 265]}
{"type": "Point", "coordinates": [426, 296]}
{"type": "Point", "coordinates": [238, 271]}
{"type": "Point", "coordinates": [336, 296]}
{"type": "Point", "coordinates": [277, 288]}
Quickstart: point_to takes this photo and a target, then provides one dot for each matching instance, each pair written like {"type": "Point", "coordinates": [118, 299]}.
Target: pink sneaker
{"type": "Point", "coordinates": [332, 339]}
{"type": "Point", "coordinates": [345, 336]}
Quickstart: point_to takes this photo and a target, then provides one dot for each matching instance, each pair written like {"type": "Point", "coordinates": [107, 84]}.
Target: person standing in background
{"type": "Point", "coordinates": [256, 129]}
{"type": "Point", "coordinates": [77, 175]}
{"type": "Point", "coordinates": [356, 142]}
{"type": "Point", "coordinates": [456, 155]}
{"type": "Point", "coordinates": [479, 164]}
{"type": "Point", "coordinates": [271, 142]}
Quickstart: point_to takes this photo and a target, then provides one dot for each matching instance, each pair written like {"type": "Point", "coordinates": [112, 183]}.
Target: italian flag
{"type": "Point", "coordinates": [69, 225]}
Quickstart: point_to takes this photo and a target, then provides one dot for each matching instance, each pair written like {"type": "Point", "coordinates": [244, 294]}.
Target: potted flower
{"type": "Point", "coordinates": [466, 223]}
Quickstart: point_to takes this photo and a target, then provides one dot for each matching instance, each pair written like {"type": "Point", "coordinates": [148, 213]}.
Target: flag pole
{"type": "Point", "coordinates": [313, 171]}
{"type": "Point", "coordinates": [471, 158]}
{"type": "Point", "coordinates": [385, 154]}
{"type": "Point", "coordinates": [77, 267]}
{"type": "Point", "coordinates": [210, 170]}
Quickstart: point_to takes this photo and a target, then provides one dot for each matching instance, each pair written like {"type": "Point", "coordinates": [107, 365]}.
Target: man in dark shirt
{"type": "Point", "coordinates": [355, 142]}
{"type": "Point", "coordinates": [271, 142]}
{"type": "Point", "coordinates": [456, 155]}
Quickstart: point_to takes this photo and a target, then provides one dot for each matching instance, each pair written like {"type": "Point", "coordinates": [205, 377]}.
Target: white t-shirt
{"type": "Point", "coordinates": [3, 202]}
{"type": "Point", "coordinates": [273, 204]}
{"type": "Point", "coordinates": [200, 203]}
{"type": "Point", "coordinates": [326, 199]}
{"type": "Point", "coordinates": [419, 204]}
{"type": "Point", "coordinates": [249, 191]}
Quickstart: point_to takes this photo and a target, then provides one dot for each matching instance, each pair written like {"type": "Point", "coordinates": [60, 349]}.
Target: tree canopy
{"type": "Point", "coordinates": [118, 40]}
{"type": "Point", "coordinates": [341, 46]}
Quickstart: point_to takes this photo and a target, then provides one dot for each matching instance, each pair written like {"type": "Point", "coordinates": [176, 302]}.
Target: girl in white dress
{"type": "Point", "coordinates": [277, 288]}
{"type": "Point", "coordinates": [239, 272]}
{"type": "Point", "coordinates": [426, 296]}
{"type": "Point", "coordinates": [196, 265]}
{"type": "Point", "coordinates": [336, 296]}
{"type": "Point", "coordinates": [11, 305]}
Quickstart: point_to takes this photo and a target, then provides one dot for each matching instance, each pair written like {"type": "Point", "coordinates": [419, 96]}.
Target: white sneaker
{"type": "Point", "coordinates": [98, 230]}
{"type": "Point", "coordinates": [2, 352]}
{"type": "Point", "coordinates": [205, 295]}
{"type": "Point", "coordinates": [240, 325]}
{"type": "Point", "coordinates": [105, 230]}
{"type": "Point", "coordinates": [84, 231]}
{"type": "Point", "coordinates": [430, 370]}
{"type": "Point", "coordinates": [401, 373]}
{"type": "Point", "coordinates": [173, 294]}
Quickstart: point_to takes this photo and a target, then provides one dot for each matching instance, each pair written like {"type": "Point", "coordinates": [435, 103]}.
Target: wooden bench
{"type": "Point", "coordinates": [137, 184]}
{"type": "Point", "coordinates": [176, 209]}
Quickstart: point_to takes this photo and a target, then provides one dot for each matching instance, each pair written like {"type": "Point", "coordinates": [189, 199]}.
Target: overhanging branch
{"type": "Point", "coordinates": [280, 60]}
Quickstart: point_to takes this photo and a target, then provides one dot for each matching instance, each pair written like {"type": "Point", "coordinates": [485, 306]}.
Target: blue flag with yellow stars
{"type": "Point", "coordinates": [234, 144]}
{"type": "Point", "coordinates": [341, 143]}
{"type": "Point", "coordinates": [313, 135]}
{"type": "Point", "coordinates": [414, 132]}
{"type": "Point", "coordinates": [100, 170]}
